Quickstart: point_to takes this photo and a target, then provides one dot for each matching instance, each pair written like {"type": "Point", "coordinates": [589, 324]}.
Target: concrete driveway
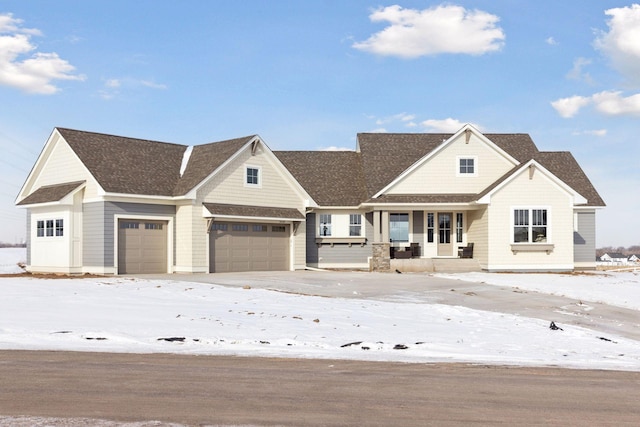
{"type": "Point", "coordinates": [425, 288]}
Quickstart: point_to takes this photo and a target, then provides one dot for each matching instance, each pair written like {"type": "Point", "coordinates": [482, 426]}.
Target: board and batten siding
{"type": "Point", "coordinates": [192, 248]}
{"type": "Point", "coordinates": [99, 230]}
{"type": "Point", "coordinates": [584, 239]}
{"type": "Point", "coordinates": [439, 175]}
{"type": "Point", "coordinates": [341, 255]}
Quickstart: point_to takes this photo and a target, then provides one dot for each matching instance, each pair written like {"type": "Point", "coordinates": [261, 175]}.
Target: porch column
{"type": "Point", "coordinates": [385, 227]}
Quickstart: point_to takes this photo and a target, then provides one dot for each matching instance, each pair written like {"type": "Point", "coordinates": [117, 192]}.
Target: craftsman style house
{"type": "Point", "coordinates": [112, 205]}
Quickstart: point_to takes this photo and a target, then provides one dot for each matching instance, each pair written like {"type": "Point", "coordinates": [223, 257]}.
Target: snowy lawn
{"type": "Point", "coordinates": [621, 289]}
{"type": "Point", "coordinates": [144, 316]}
{"type": "Point", "coordinates": [9, 259]}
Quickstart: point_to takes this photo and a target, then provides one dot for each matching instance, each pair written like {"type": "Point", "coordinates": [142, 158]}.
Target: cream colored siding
{"type": "Point", "coordinates": [439, 173]}
{"type": "Point", "coordinates": [477, 234]}
{"type": "Point", "coordinates": [51, 253]}
{"type": "Point", "coordinates": [299, 250]}
{"type": "Point", "coordinates": [62, 166]}
{"type": "Point", "coordinates": [191, 239]}
{"type": "Point", "coordinates": [228, 186]}
{"type": "Point", "coordinates": [538, 192]}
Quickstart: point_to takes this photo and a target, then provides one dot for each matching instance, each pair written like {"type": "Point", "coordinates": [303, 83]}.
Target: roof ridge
{"type": "Point", "coordinates": [119, 136]}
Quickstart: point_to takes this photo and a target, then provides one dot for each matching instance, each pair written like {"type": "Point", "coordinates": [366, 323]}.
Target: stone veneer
{"type": "Point", "coordinates": [381, 259]}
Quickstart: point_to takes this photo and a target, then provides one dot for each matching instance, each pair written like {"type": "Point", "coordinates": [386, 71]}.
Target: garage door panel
{"type": "Point", "coordinates": [142, 246]}
{"type": "Point", "coordinates": [248, 247]}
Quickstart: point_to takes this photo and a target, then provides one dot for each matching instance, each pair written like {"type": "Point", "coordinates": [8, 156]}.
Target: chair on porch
{"type": "Point", "coordinates": [466, 251]}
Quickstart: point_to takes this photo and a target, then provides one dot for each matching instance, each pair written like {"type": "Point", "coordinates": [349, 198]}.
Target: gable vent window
{"type": "Point", "coordinates": [467, 166]}
{"type": "Point", "coordinates": [252, 176]}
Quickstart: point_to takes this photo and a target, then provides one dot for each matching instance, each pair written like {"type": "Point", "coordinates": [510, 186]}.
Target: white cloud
{"type": "Point", "coordinates": [153, 85]}
{"type": "Point", "coordinates": [112, 83]}
{"type": "Point", "coordinates": [609, 103]}
{"type": "Point", "coordinates": [595, 132]}
{"type": "Point", "coordinates": [334, 148]}
{"type": "Point", "coordinates": [34, 74]}
{"type": "Point", "coordinates": [612, 103]}
{"type": "Point", "coordinates": [622, 42]}
{"type": "Point", "coordinates": [569, 107]}
{"type": "Point", "coordinates": [551, 41]}
{"type": "Point", "coordinates": [441, 29]}
{"type": "Point", "coordinates": [448, 125]}
{"type": "Point", "coordinates": [576, 72]}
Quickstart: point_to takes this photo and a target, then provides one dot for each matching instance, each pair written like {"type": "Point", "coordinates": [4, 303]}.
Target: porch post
{"type": "Point", "coordinates": [385, 227]}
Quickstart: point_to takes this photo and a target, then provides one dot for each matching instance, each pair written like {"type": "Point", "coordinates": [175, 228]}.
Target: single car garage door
{"type": "Point", "coordinates": [248, 247]}
{"type": "Point", "coordinates": [142, 247]}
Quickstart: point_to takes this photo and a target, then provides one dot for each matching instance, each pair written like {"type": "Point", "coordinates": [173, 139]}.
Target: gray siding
{"type": "Point", "coordinates": [339, 253]}
{"type": "Point", "coordinates": [98, 228]}
{"type": "Point", "coordinates": [584, 240]}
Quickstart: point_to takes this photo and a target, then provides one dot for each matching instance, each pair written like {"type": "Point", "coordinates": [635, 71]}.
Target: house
{"type": "Point", "coordinates": [634, 258]}
{"type": "Point", "coordinates": [111, 205]}
{"type": "Point", "coordinates": [614, 258]}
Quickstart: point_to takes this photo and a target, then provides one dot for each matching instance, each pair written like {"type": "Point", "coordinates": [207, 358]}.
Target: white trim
{"type": "Point", "coordinates": [138, 217]}
{"type": "Point", "coordinates": [441, 147]}
{"type": "Point", "coordinates": [529, 208]}
{"type": "Point", "coordinates": [475, 167]}
{"type": "Point", "coordinates": [246, 171]}
{"type": "Point", "coordinates": [578, 199]}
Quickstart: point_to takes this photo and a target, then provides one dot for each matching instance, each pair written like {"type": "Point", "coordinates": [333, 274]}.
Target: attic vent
{"type": "Point", "coordinates": [185, 160]}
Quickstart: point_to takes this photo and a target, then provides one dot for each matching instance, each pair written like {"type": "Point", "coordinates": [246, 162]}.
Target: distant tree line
{"type": "Point", "coordinates": [13, 245]}
{"type": "Point", "coordinates": [631, 250]}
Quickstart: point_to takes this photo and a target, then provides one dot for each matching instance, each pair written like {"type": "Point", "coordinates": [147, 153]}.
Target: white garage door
{"type": "Point", "coordinates": [142, 247]}
{"type": "Point", "coordinates": [248, 247]}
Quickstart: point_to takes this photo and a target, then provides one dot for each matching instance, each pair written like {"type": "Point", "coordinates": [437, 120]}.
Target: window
{"type": "Point", "coordinates": [49, 229]}
{"type": "Point", "coordinates": [324, 225]}
{"type": "Point", "coordinates": [259, 228]}
{"type": "Point", "coordinates": [529, 225]}
{"type": "Point", "coordinates": [430, 226]}
{"type": "Point", "coordinates": [466, 166]}
{"type": "Point", "coordinates": [355, 225]}
{"type": "Point", "coordinates": [399, 227]}
{"type": "Point", "coordinates": [126, 224]}
{"type": "Point", "coordinates": [219, 227]}
{"type": "Point", "coordinates": [278, 228]}
{"type": "Point", "coordinates": [152, 226]}
{"type": "Point", "coordinates": [59, 227]}
{"type": "Point", "coordinates": [240, 227]}
{"type": "Point", "coordinates": [253, 176]}
{"type": "Point", "coordinates": [459, 223]}
{"type": "Point", "coordinates": [444, 228]}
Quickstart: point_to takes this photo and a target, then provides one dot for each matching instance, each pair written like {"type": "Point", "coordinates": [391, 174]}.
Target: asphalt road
{"type": "Point", "coordinates": [197, 390]}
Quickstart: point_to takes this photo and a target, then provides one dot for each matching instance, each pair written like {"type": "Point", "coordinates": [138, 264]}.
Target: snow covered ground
{"type": "Point", "coordinates": [143, 316]}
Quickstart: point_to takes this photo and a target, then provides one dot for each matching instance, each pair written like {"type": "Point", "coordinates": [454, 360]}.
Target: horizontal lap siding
{"type": "Point", "coordinates": [98, 228]}
{"type": "Point", "coordinates": [339, 253]}
{"type": "Point", "coordinates": [584, 239]}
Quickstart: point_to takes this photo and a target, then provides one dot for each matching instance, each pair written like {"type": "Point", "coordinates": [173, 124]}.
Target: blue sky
{"type": "Point", "coordinates": [309, 75]}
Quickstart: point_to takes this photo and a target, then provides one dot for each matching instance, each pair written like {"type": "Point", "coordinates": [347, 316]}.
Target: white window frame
{"type": "Point", "coordinates": [353, 225]}
{"type": "Point", "coordinates": [530, 226]}
{"type": "Point", "coordinates": [410, 231]}
{"type": "Point", "coordinates": [246, 176]}
{"type": "Point", "coordinates": [466, 174]}
{"type": "Point", "coordinates": [322, 224]}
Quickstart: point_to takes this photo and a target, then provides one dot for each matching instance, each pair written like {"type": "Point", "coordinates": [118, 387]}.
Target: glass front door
{"type": "Point", "coordinates": [445, 247]}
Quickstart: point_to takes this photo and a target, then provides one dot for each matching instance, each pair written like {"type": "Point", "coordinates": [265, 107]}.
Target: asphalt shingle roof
{"type": "Point", "coordinates": [252, 211]}
{"type": "Point", "coordinates": [332, 178]}
{"type": "Point", "coordinates": [50, 193]}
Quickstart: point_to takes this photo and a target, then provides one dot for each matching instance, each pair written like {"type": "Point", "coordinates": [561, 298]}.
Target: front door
{"type": "Point", "coordinates": [445, 247]}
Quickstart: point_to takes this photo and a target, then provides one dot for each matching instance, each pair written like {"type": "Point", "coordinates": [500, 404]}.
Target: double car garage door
{"type": "Point", "coordinates": [248, 247]}
{"type": "Point", "coordinates": [142, 247]}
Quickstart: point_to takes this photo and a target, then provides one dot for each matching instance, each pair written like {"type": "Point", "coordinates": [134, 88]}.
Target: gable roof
{"type": "Point", "coordinates": [332, 178]}
{"type": "Point", "coordinates": [138, 166]}
{"type": "Point", "coordinates": [50, 193]}
{"type": "Point", "coordinates": [386, 155]}
{"type": "Point", "coordinates": [127, 165]}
